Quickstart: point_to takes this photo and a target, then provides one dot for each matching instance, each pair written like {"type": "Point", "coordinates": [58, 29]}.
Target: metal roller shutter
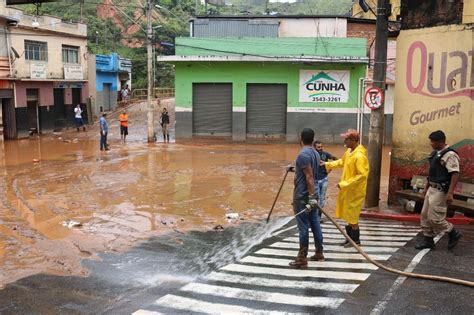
{"type": "Point", "coordinates": [266, 109]}
{"type": "Point", "coordinates": [212, 109]}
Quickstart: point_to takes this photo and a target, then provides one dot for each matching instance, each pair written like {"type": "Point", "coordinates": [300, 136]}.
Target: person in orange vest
{"type": "Point", "coordinates": [123, 118]}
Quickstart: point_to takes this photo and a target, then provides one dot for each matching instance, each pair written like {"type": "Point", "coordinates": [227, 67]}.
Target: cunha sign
{"type": "Point", "coordinates": [323, 86]}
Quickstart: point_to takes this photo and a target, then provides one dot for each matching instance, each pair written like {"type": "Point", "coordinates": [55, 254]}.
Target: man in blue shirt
{"type": "Point", "coordinates": [104, 129]}
{"type": "Point", "coordinates": [305, 192]}
{"type": "Point", "coordinates": [322, 178]}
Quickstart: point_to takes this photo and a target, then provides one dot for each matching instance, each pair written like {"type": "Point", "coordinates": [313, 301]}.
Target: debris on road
{"type": "Point", "coordinates": [71, 223]}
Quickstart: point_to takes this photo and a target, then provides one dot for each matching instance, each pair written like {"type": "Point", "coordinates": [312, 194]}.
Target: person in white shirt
{"type": "Point", "coordinates": [78, 118]}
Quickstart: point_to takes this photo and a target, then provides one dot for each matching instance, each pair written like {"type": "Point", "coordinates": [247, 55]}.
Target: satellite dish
{"type": "Point", "coordinates": [364, 6]}
{"type": "Point", "coordinates": [17, 55]}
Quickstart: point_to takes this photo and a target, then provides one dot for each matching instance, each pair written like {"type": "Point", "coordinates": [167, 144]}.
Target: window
{"type": "Point", "coordinates": [70, 54]}
{"type": "Point", "coordinates": [36, 50]}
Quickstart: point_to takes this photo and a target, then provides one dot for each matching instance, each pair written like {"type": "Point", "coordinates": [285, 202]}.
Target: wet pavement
{"type": "Point", "coordinates": [129, 194]}
{"type": "Point", "coordinates": [142, 221]}
{"type": "Point", "coordinates": [221, 272]}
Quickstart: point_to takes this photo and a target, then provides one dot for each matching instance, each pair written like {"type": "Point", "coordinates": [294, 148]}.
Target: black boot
{"type": "Point", "coordinates": [427, 242]}
{"type": "Point", "coordinates": [168, 137]}
{"type": "Point", "coordinates": [454, 237]}
{"type": "Point", "coordinates": [349, 232]}
{"type": "Point", "coordinates": [355, 237]}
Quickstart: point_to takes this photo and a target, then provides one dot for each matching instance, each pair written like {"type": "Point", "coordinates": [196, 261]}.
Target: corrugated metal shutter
{"type": "Point", "coordinates": [266, 109]}
{"type": "Point", "coordinates": [212, 109]}
{"type": "Point", "coordinates": [235, 28]}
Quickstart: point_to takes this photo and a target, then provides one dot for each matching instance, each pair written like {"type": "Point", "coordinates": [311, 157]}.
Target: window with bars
{"type": "Point", "coordinates": [70, 54]}
{"type": "Point", "coordinates": [36, 50]}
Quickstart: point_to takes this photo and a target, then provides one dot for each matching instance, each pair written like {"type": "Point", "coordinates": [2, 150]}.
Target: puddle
{"type": "Point", "coordinates": [132, 193]}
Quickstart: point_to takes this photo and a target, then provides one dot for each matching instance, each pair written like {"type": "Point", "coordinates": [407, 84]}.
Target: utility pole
{"type": "Point", "coordinates": [150, 110]}
{"type": "Point", "coordinates": [82, 9]}
{"type": "Point", "coordinates": [376, 129]}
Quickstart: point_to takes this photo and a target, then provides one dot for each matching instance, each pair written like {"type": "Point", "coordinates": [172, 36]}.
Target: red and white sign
{"type": "Point", "coordinates": [373, 98]}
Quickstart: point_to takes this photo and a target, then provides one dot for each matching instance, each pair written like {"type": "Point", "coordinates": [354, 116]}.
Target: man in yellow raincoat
{"type": "Point", "coordinates": [353, 184]}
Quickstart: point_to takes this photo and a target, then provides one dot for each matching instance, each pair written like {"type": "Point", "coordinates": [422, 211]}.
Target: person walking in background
{"type": "Point", "coordinates": [123, 118]}
{"type": "Point", "coordinates": [78, 118]}
{"type": "Point", "coordinates": [104, 129]}
{"type": "Point", "coordinates": [125, 94]}
{"type": "Point", "coordinates": [352, 187]}
{"type": "Point", "coordinates": [165, 121]}
{"type": "Point", "coordinates": [322, 177]}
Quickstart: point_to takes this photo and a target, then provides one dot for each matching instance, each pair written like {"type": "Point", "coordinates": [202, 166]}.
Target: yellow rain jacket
{"type": "Point", "coordinates": [353, 184]}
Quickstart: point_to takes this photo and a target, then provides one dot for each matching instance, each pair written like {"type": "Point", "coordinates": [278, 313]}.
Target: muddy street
{"type": "Point", "coordinates": [63, 200]}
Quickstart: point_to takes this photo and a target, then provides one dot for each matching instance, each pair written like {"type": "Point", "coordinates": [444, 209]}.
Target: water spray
{"type": "Point", "coordinates": [309, 208]}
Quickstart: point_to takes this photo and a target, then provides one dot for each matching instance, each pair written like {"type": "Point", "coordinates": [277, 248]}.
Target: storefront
{"type": "Point", "coordinates": [268, 87]}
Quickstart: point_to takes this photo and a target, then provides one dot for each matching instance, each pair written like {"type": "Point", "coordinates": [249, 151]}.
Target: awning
{"type": "Point", "coordinates": [320, 59]}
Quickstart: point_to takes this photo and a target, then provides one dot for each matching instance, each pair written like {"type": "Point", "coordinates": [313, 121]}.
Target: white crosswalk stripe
{"type": "Point", "coordinates": [282, 283]}
{"type": "Point", "coordinates": [330, 255]}
{"type": "Point", "coordinates": [364, 238]}
{"type": "Point", "coordinates": [364, 242]}
{"type": "Point", "coordinates": [315, 264]}
{"type": "Point", "coordinates": [263, 283]}
{"type": "Point", "coordinates": [366, 232]}
{"type": "Point", "coordinates": [229, 292]}
{"type": "Point", "coordinates": [337, 248]}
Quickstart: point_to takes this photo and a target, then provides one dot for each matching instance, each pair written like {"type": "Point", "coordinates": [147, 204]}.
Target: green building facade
{"type": "Point", "coordinates": [268, 87]}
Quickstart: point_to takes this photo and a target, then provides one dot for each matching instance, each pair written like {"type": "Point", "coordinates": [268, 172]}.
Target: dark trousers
{"type": "Point", "coordinates": [103, 140]}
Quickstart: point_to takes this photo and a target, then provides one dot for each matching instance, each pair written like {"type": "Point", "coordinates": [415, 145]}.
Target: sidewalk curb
{"type": "Point", "coordinates": [456, 220]}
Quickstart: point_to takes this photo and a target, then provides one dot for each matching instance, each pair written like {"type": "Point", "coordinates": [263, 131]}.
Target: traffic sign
{"type": "Point", "coordinates": [373, 98]}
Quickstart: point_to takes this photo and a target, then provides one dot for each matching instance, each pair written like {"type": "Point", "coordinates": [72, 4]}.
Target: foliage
{"type": "Point", "coordinates": [171, 21]}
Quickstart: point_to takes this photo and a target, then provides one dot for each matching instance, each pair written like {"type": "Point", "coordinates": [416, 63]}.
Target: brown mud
{"type": "Point", "coordinates": [133, 192]}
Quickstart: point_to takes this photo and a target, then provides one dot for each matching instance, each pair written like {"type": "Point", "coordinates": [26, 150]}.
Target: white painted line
{"type": "Point", "coordinates": [342, 249]}
{"type": "Point", "coordinates": [362, 237]}
{"type": "Point", "coordinates": [398, 230]}
{"type": "Point", "coordinates": [382, 304]}
{"type": "Point", "coordinates": [188, 304]}
{"type": "Point", "coordinates": [365, 232]}
{"type": "Point", "coordinates": [282, 283]}
{"type": "Point", "coordinates": [262, 296]}
{"type": "Point", "coordinates": [292, 253]}
{"type": "Point", "coordinates": [145, 312]}
{"type": "Point", "coordinates": [339, 240]}
{"type": "Point", "coordinates": [315, 264]}
{"type": "Point", "coordinates": [381, 224]}
{"type": "Point", "coordinates": [297, 272]}
{"type": "Point", "coordinates": [284, 230]}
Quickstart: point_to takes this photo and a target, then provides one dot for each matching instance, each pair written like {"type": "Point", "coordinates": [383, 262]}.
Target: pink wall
{"type": "Point", "coordinates": [85, 93]}
{"type": "Point", "coordinates": [46, 97]}
{"type": "Point", "coordinates": [68, 96]}
{"type": "Point", "coordinates": [46, 93]}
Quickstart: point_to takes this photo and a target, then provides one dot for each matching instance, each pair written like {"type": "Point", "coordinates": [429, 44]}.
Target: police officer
{"type": "Point", "coordinates": [439, 192]}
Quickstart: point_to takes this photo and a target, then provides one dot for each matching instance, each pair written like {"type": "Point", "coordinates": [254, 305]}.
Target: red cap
{"type": "Point", "coordinates": [351, 134]}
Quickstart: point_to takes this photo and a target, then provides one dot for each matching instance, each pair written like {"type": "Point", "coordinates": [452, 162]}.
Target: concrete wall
{"type": "Point", "coordinates": [54, 64]}
{"type": "Point", "coordinates": [312, 27]}
{"type": "Point", "coordinates": [434, 90]}
{"type": "Point", "coordinates": [46, 97]}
